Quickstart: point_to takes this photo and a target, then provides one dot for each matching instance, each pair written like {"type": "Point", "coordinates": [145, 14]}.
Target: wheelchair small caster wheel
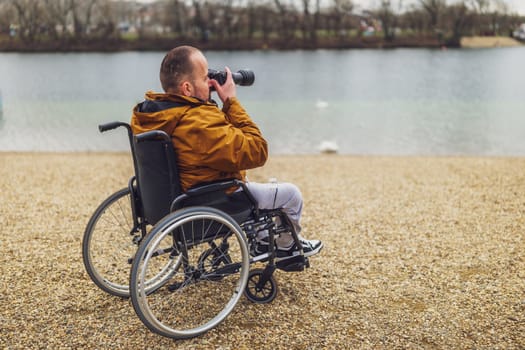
{"type": "Point", "coordinates": [257, 292]}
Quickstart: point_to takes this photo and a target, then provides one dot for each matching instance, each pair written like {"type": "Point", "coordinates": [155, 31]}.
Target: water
{"type": "Point", "coordinates": [391, 102]}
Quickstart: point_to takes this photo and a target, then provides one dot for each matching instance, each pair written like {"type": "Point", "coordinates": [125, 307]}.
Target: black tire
{"type": "Point", "coordinates": [200, 294]}
{"type": "Point", "coordinates": [108, 244]}
{"type": "Point", "coordinates": [260, 294]}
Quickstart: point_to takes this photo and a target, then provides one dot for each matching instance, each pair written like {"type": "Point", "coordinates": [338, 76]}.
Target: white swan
{"type": "Point", "coordinates": [320, 104]}
{"type": "Point", "coordinates": [328, 147]}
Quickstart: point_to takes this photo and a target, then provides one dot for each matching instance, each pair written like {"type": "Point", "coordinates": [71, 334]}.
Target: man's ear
{"type": "Point", "coordinates": [186, 88]}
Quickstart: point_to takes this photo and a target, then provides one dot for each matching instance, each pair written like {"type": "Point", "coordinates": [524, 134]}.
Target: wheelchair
{"type": "Point", "coordinates": [183, 258]}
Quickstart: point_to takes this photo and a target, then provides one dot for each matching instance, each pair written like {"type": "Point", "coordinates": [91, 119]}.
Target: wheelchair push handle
{"type": "Point", "coordinates": [111, 126]}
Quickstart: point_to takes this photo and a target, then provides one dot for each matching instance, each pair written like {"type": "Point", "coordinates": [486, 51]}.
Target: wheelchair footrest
{"type": "Point", "coordinates": [295, 264]}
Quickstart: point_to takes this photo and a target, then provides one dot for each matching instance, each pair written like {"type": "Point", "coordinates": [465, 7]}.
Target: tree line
{"type": "Point", "coordinates": [249, 23]}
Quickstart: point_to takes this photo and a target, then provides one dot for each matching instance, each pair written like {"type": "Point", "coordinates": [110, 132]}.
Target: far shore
{"type": "Point", "coordinates": [164, 44]}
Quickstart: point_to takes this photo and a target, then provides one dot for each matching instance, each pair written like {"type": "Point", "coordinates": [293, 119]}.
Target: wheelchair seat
{"type": "Point", "coordinates": [159, 185]}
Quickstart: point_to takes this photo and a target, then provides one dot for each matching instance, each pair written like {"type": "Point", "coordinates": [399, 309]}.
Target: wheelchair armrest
{"type": "Point", "coordinates": [213, 187]}
{"type": "Point", "coordinates": [152, 135]}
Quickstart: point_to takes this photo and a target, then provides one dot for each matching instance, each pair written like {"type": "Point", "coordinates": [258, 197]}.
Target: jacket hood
{"type": "Point", "coordinates": [153, 113]}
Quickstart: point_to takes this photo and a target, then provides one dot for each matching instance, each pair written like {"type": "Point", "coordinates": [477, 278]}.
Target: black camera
{"type": "Point", "coordinates": [243, 77]}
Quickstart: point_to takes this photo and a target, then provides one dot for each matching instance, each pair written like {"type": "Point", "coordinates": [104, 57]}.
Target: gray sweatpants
{"type": "Point", "coordinates": [286, 196]}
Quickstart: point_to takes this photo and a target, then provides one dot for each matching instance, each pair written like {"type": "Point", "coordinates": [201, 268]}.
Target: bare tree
{"type": "Point", "coordinates": [307, 19]}
{"type": "Point", "coordinates": [481, 8]}
{"type": "Point", "coordinates": [388, 19]}
{"type": "Point", "coordinates": [415, 20]}
{"type": "Point", "coordinates": [340, 10]}
{"type": "Point", "coordinates": [29, 14]}
{"type": "Point", "coordinates": [460, 19]}
{"type": "Point", "coordinates": [317, 20]}
{"type": "Point", "coordinates": [267, 24]}
{"type": "Point", "coordinates": [82, 11]}
{"type": "Point", "coordinates": [175, 16]}
{"type": "Point", "coordinates": [499, 16]}
{"type": "Point", "coordinates": [310, 23]}
{"type": "Point", "coordinates": [433, 9]}
{"type": "Point", "coordinates": [199, 21]}
{"type": "Point", "coordinates": [6, 16]}
{"type": "Point", "coordinates": [229, 19]}
{"type": "Point", "coordinates": [106, 21]}
{"type": "Point", "coordinates": [287, 19]}
{"type": "Point", "coordinates": [251, 20]}
{"type": "Point", "coordinates": [56, 16]}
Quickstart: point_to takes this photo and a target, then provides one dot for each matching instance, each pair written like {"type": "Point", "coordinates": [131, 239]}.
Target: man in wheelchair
{"type": "Point", "coordinates": [214, 144]}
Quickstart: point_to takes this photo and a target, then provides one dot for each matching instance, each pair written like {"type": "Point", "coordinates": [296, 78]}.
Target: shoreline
{"type": "Point", "coordinates": [164, 44]}
{"type": "Point", "coordinates": [419, 252]}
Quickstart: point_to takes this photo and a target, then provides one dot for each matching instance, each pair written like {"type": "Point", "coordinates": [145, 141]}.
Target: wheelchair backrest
{"type": "Point", "coordinates": [157, 176]}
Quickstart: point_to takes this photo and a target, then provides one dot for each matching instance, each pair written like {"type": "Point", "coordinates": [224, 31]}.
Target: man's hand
{"type": "Point", "coordinates": [228, 89]}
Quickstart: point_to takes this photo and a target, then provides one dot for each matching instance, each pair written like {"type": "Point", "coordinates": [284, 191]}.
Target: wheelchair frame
{"type": "Point", "coordinates": [161, 251]}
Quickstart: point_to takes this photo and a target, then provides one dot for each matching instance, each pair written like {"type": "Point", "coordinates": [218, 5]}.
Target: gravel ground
{"type": "Point", "coordinates": [419, 253]}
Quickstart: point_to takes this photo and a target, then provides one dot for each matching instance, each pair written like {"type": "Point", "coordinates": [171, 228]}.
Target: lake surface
{"type": "Point", "coordinates": [386, 102]}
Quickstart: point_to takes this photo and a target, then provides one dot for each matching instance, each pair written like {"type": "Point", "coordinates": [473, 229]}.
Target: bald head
{"type": "Point", "coordinates": [177, 67]}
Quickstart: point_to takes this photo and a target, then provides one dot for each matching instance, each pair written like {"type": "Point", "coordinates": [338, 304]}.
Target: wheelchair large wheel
{"type": "Point", "coordinates": [109, 244]}
{"type": "Point", "coordinates": [208, 284]}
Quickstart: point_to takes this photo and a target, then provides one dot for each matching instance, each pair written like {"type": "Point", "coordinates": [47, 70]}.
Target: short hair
{"type": "Point", "coordinates": [176, 66]}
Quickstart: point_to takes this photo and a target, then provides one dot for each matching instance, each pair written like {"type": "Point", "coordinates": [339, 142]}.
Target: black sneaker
{"type": "Point", "coordinates": [310, 247]}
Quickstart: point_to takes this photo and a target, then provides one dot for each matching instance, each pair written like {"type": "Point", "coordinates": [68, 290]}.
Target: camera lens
{"type": "Point", "coordinates": [243, 77]}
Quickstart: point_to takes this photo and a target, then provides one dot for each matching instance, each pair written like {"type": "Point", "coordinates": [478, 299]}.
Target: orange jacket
{"type": "Point", "coordinates": [210, 144]}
